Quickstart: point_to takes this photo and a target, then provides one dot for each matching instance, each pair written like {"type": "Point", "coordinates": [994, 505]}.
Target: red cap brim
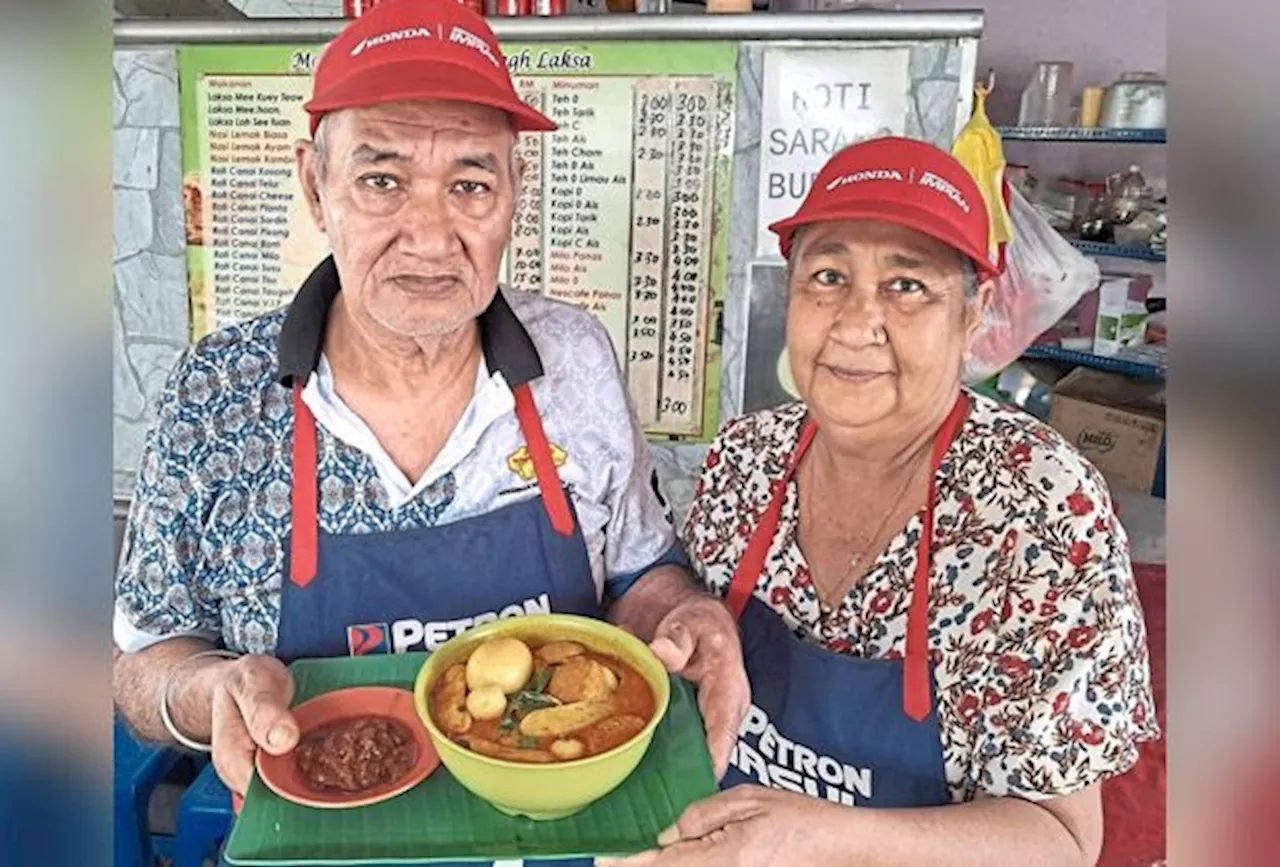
{"type": "Point", "coordinates": [426, 79]}
{"type": "Point", "coordinates": [908, 215]}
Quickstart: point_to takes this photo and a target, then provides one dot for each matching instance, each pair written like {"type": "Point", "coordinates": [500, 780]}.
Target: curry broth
{"type": "Point", "coordinates": [631, 708]}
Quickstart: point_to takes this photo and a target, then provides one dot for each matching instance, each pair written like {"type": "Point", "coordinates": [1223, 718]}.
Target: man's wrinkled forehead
{"type": "Point", "coordinates": [424, 122]}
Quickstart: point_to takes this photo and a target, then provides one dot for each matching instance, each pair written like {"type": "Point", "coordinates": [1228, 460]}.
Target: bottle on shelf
{"type": "Point", "coordinates": [1091, 106]}
{"type": "Point", "coordinates": [1046, 100]}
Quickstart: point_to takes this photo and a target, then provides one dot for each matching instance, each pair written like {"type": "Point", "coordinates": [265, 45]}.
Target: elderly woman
{"type": "Point", "coordinates": [935, 595]}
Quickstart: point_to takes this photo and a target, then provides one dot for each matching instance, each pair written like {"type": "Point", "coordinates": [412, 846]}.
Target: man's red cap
{"type": "Point", "coordinates": [418, 49]}
{"type": "Point", "coordinates": [903, 181]}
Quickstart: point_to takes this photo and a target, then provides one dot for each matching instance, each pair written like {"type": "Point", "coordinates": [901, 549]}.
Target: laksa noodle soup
{"type": "Point", "coordinates": [540, 702]}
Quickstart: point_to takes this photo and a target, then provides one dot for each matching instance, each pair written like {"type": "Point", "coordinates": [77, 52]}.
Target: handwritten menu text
{"type": "Point", "coordinates": [615, 215]}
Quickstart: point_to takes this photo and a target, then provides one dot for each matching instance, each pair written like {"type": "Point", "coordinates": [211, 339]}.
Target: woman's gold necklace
{"type": "Point", "coordinates": [862, 550]}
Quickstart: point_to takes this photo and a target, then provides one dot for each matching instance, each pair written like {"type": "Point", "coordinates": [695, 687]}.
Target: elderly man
{"type": "Point", "coordinates": [407, 450]}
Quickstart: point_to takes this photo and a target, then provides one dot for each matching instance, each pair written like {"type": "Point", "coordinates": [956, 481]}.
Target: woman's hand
{"type": "Point", "coordinates": [747, 826]}
{"type": "Point", "coordinates": [699, 640]}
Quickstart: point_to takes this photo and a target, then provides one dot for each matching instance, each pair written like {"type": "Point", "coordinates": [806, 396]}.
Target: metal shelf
{"type": "Point", "coordinates": [859, 24]}
{"type": "Point", "coordinates": [1128, 367]}
{"type": "Point", "coordinates": [1117, 251]}
{"type": "Point", "coordinates": [1114, 135]}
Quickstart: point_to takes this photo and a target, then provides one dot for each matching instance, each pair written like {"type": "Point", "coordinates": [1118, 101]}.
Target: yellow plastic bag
{"type": "Point", "coordinates": [978, 148]}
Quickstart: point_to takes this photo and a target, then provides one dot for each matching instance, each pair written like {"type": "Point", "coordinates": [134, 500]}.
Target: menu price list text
{"type": "Point", "coordinates": [689, 216]}
{"type": "Point", "coordinates": [248, 190]}
{"type": "Point", "coordinates": [586, 186]}
{"type": "Point", "coordinates": [630, 168]}
{"type": "Point", "coordinates": [615, 213]}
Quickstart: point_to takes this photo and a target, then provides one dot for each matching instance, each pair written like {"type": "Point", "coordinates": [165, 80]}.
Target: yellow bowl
{"type": "Point", "coordinates": [550, 791]}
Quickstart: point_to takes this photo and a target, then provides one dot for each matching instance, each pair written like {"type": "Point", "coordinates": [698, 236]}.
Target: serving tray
{"type": "Point", "coordinates": [438, 821]}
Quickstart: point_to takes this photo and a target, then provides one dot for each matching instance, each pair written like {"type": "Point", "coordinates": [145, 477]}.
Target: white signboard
{"type": "Point", "coordinates": [817, 101]}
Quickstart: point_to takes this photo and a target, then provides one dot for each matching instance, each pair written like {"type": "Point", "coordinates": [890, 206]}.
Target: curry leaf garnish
{"type": "Point", "coordinates": [527, 701]}
{"type": "Point", "coordinates": [540, 680]}
{"type": "Point", "coordinates": [532, 697]}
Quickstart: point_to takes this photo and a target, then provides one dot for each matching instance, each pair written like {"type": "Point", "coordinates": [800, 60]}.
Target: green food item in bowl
{"type": "Point", "coordinates": [556, 789]}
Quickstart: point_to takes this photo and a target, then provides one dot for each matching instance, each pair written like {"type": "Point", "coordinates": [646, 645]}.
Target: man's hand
{"type": "Point", "coordinates": [250, 705]}
{"type": "Point", "coordinates": [698, 640]}
{"type": "Point", "coordinates": [747, 826]}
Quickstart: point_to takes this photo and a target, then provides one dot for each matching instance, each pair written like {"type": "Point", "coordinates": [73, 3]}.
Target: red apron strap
{"type": "Point", "coordinates": [553, 496]}
{"type": "Point", "coordinates": [916, 689]}
{"type": "Point", "coordinates": [751, 566]}
{"type": "Point", "coordinates": [305, 520]}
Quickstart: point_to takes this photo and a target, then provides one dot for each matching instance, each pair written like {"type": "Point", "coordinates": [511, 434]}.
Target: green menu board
{"type": "Point", "coordinates": [624, 210]}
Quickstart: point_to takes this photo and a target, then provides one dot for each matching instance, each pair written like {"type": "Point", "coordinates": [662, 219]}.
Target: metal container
{"type": "Point", "coordinates": [1136, 101]}
{"type": "Point", "coordinates": [1127, 194]}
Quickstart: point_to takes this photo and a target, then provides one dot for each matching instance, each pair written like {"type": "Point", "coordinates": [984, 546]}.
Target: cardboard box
{"type": "Point", "coordinates": [1116, 421]}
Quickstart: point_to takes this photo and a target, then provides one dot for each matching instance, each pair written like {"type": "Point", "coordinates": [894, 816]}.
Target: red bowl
{"type": "Point", "coordinates": [280, 773]}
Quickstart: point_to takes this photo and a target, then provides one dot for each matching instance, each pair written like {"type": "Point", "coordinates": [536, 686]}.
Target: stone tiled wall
{"type": "Point", "coordinates": [289, 8]}
{"type": "Point", "coordinates": [151, 310]}
{"type": "Point", "coordinates": [150, 273]}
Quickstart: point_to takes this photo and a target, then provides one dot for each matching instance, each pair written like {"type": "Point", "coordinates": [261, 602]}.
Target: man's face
{"type": "Point", "coordinates": [416, 199]}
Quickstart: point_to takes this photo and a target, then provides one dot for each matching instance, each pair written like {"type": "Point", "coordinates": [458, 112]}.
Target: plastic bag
{"type": "Point", "coordinates": [1044, 277]}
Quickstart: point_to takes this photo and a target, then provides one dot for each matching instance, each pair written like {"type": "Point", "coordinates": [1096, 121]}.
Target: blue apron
{"type": "Point", "coordinates": [858, 732]}
{"type": "Point", "coordinates": [345, 593]}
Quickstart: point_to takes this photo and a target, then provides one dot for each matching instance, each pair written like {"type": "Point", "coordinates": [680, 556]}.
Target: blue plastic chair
{"type": "Point", "coordinates": [138, 769]}
{"type": "Point", "coordinates": [204, 820]}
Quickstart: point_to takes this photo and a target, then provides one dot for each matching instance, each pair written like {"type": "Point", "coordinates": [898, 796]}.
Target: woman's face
{"type": "Point", "coordinates": [877, 323]}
